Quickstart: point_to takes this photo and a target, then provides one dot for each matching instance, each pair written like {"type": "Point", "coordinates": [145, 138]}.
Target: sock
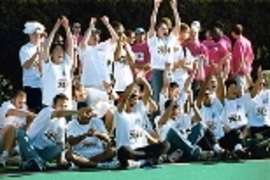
{"type": "Point", "coordinates": [238, 147]}
{"type": "Point", "coordinates": [218, 149]}
{"type": "Point", "coordinates": [5, 154]}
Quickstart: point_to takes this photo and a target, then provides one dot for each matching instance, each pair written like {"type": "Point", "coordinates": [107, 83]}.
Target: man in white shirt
{"type": "Point", "coordinates": [13, 115]}
{"type": "Point", "coordinates": [87, 135]}
{"type": "Point", "coordinates": [45, 139]}
{"type": "Point", "coordinates": [93, 55]}
{"type": "Point", "coordinates": [29, 58]}
{"type": "Point", "coordinates": [131, 138]}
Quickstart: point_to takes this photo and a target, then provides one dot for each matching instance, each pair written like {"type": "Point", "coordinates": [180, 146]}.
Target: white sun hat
{"type": "Point", "coordinates": [196, 26]}
{"type": "Point", "coordinates": [33, 27]}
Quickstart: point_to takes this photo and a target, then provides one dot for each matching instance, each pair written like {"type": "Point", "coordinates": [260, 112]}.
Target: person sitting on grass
{"type": "Point", "coordinates": [45, 139]}
{"type": "Point", "coordinates": [131, 138]}
{"type": "Point", "coordinates": [14, 116]}
{"type": "Point", "coordinates": [86, 135]}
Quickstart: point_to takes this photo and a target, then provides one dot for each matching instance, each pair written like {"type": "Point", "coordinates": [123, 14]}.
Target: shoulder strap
{"type": "Point", "coordinates": [185, 51]}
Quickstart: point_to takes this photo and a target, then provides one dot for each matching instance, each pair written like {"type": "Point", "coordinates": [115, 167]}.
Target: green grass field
{"type": "Point", "coordinates": [249, 170]}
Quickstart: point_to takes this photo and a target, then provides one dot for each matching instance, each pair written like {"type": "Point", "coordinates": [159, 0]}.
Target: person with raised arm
{"type": "Point", "coordinates": [29, 58]}
{"type": "Point", "coordinates": [56, 65]}
{"type": "Point", "coordinates": [45, 139]}
{"type": "Point", "coordinates": [161, 45]}
{"type": "Point", "coordinates": [131, 138]}
{"type": "Point", "coordinates": [92, 55]}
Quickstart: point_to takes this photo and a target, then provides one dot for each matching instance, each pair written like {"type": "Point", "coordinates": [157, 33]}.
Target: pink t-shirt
{"type": "Point", "coordinates": [198, 49]}
{"type": "Point", "coordinates": [142, 56]}
{"type": "Point", "coordinates": [242, 49]}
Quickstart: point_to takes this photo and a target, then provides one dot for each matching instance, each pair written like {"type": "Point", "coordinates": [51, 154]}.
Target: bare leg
{"type": "Point", "coordinates": [105, 156]}
{"type": "Point", "coordinates": [109, 121]}
{"type": "Point", "coordinates": [80, 161]}
{"type": "Point", "coordinates": [8, 134]}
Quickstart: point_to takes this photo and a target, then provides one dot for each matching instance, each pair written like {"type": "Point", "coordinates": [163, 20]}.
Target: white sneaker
{"type": "Point", "coordinates": [3, 159]}
{"type": "Point", "coordinates": [134, 164]}
{"type": "Point", "coordinates": [109, 165]}
{"type": "Point", "coordinates": [175, 156]}
{"type": "Point", "coordinates": [73, 167]}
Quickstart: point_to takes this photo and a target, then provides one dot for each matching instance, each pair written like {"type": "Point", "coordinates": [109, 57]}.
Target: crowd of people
{"type": "Point", "coordinates": [137, 99]}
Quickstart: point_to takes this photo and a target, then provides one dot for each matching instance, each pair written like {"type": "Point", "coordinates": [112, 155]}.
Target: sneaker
{"type": "Point", "coordinates": [263, 143]}
{"type": "Point", "coordinates": [175, 156]}
{"type": "Point", "coordinates": [242, 154]}
{"type": "Point", "coordinates": [109, 165]}
{"type": "Point", "coordinates": [14, 160]}
{"type": "Point", "coordinates": [32, 165]}
{"type": "Point", "coordinates": [3, 159]}
{"type": "Point", "coordinates": [151, 166]}
{"type": "Point", "coordinates": [206, 155]}
{"type": "Point", "coordinates": [225, 155]}
{"type": "Point", "coordinates": [134, 164]}
{"type": "Point", "coordinates": [73, 167]}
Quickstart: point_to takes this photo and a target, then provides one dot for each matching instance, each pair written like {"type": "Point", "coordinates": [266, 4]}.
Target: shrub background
{"type": "Point", "coordinates": [254, 15]}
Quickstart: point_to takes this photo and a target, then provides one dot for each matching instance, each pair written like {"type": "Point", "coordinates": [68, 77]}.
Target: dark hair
{"type": "Point", "coordinates": [173, 85]}
{"type": "Point", "coordinates": [59, 97]}
{"type": "Point", "coordinates": [18, 93]}
{"type": "Point", "coordinates": [217, 24]}
{"type": "Point", "coordinates": [166, 21]}
{"type": "Point", "coordinates": [230, 82]}
{"type": "Point", "coordinates": [128, 32]}
{"type": "Point", "coordinates": [237, 29]}
{"type": "Point", "coordinates": [168, 103]}
{"type": "Point", "coordinates": [141, 87]}
{"type": "Point", "coordinates": [54, 45]}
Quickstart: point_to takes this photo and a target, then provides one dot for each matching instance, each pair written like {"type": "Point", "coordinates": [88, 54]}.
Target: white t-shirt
{"type": "Point", "coordinates": [181, 124]}
{"type": "Point", "coordinates": [31, 76]}
{"type": "Point", "coordinates": [45, 131]}
{"type": "Point", "coordinates": [259, 110]}
{"type": "Point", "coordinates": [234, 112]}
{"type": "Point", "coordinates": [181, 101]}
{"type": "Point", "coordinates": [122, 73]}
{"type": "Point", "coordinates": [10, 120]}
{"type": "Point", "coordinates": [211, 117]}
{"type": "Point", "coordinates": [145, 123]}
{"type": "Point", "coordinates": [94, 67]}
{"type": "Point", "coordinates": [90, 146]}
{"type": "Point", "coordinates": [161, 50]}
{"type": "Point", "coordinates": [129, 131]}
{"type": "Point", "coordinates": [180, 75]}
{"type": "Point", "coordinates": [56, 79]}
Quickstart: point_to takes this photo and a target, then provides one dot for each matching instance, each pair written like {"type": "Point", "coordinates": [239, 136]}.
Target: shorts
{"type": "Point", "coordinates": [34, 98]}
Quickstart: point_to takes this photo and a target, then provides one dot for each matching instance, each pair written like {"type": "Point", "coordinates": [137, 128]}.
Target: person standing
{"type": "Point", "coordinates": [29, 58]}
{"type": "Point", "coordinates": [161, 44]}
{"type": "Point", "coordinates": [242, 57]}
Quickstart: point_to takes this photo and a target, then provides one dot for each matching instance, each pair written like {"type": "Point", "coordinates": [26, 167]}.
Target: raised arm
{"type": "Point", "coordinates": [87, 35]}
{"type": "Point", "coordinates": [48, 42]}
{"type": "Point", "coordinates": [113, 34]}
{"type": "Point", "coordinates": [166, 115]}
{"type": "Point", "coordinates": [128, 92]}
{"type": "Point", "coordinates": [166, 80]}
{"type": "Point", "coordinates": [147, 90]}
{"type": "Point", "coordinates": [153, 18]}
{"type": "Point", "coordinates": [176, 29]}
{"type": "Point", "coordinates": [66, 113]}
{"type": "Point", "coordinates": [70, 49]}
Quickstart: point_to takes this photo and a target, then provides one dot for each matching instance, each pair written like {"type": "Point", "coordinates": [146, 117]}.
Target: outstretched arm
{"type": "Point", "coordinates": [153, 19]}
{"type": "Point", "coordinates": [70, 49]}
{"type": "Point", "coordinates": [87, 35]}
{"type": "Point", "coordinates": [113, 34]}
{"type": "Point", "coordinates": [176, 28]}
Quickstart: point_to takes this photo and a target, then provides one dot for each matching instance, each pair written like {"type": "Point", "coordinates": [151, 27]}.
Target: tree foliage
{"type": "Point", "coordinates": [132, 13]}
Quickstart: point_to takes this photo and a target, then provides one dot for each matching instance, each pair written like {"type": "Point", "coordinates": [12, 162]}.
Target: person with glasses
{"type": "Point", "coordinates": [29, 58]}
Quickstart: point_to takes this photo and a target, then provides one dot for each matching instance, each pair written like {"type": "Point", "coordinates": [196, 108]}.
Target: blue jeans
{"type": "Point", "coordinates": [28, 151]}
{"type": "Point", "coordinates": [187, 144]}
{"type": "Point", "coordinates": [156, 84]}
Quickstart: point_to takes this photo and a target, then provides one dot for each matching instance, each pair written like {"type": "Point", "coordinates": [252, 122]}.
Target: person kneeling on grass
{"type": "Point", "coordinates": [86, 136]}
{"type": "Point", "coordinates": [45, 139]}
{"type": "Point", "coordinates": [131, 138]}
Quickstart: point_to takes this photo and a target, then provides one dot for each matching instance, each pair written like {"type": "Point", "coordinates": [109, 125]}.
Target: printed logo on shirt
{"type": "Point", "coordinates": [88, 144]}
{"type": "Point", "coordinates": [261, 111]}
{"type": "Point", "coordinates": [135, 134]}
{"type": "Point", "coordinates": [234, 118]}
{"type": "Point", "coordinates": [211, 124]}
{"type": "Point", "coordinates": [51, 136]}
{"type": "Point", "coordinates": [164, 50]}
{"type": "Point", "coordinates": [139, 56]}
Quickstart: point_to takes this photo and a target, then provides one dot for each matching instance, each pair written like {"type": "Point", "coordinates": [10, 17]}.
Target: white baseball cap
{"type": "Point", "coordinates": [196, 26]}
{"type": "Point", "coordinates": [33, 27]}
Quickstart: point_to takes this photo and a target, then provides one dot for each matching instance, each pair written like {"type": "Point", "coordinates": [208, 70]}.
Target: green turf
{"type": "Point", "coordinates": [250, 170]}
